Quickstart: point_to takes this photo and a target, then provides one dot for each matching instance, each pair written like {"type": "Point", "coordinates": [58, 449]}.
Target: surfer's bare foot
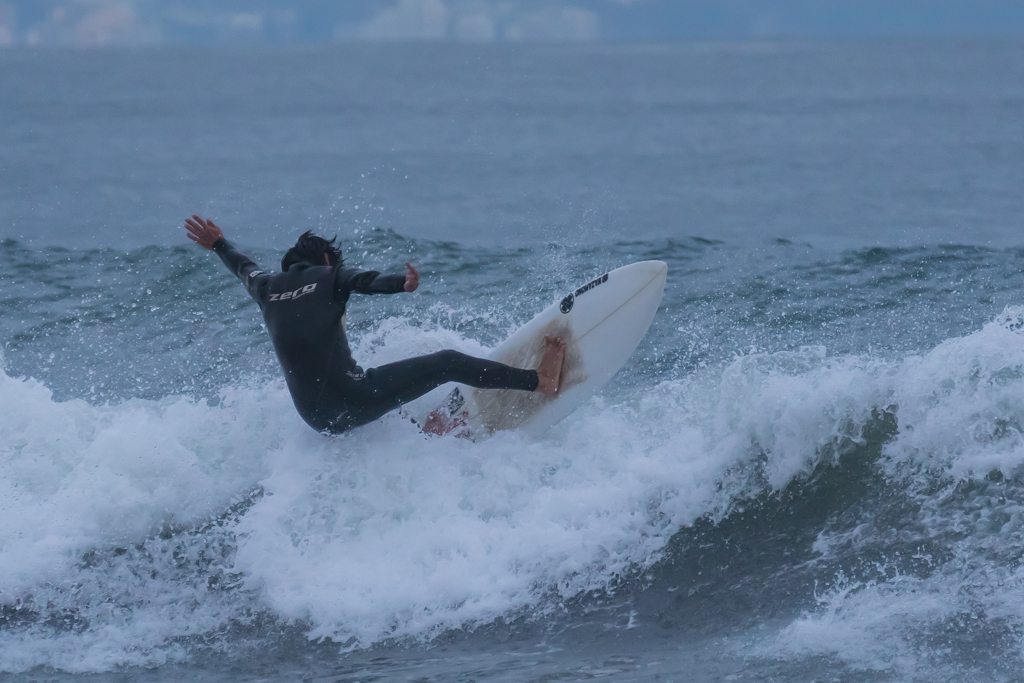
{"type": "Point", "coordinates": [549, 372]}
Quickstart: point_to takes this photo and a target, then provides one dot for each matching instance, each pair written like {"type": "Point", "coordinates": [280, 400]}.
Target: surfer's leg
{"type": "Point", "coordinates": [387, 387]}
{"type": "Point", "coordinates": [411, 378]}
{"type": "Point", "coordinates": [383, 389]}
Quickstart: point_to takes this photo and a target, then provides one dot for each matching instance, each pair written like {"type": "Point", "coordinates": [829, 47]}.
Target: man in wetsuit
{"type": "Point", "coordinates": [304, 308]}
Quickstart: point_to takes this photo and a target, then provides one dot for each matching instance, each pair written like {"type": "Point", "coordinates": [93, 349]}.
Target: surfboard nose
{"type": "Point", "coordinates": [653, 269]}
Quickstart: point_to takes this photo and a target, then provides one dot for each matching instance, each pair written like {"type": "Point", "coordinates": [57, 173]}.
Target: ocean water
{"type": "Point", "coordinates": [811, 469]}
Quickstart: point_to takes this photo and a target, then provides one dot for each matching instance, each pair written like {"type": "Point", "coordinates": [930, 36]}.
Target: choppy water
{"type": "Point", "coordinates": [810, 469]}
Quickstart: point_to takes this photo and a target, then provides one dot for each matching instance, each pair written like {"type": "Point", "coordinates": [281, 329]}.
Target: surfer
{"type": "Point", "coordinates": [304, 308]}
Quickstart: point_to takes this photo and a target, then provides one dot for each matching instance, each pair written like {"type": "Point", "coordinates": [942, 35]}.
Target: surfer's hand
{"type": "Point", "coordinates": [203, 232]}
{"type": "Point", "coordinates": [412, 278]}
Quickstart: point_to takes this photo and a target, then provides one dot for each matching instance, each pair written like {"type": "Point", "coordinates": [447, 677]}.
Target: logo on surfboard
{"type": "Point", "coordinates": [568, 301]}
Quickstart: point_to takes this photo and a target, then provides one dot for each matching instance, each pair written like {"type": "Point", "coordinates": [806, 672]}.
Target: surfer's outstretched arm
{"type": "Point", "coordinates": [349, 280]}
{"type": "Point", "coordinates": [208, 235]}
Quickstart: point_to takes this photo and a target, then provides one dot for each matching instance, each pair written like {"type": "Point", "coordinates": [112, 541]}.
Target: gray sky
{"type": "Point", "coordinates": [120, 22]}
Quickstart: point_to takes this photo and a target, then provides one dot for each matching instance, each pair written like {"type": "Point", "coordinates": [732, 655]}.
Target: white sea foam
{"type": "Point", "coordinates": [386, 532]}
{"type": "Point", "coordinates": [893, 625]}
{"type": "Point", "coordinates": [76, 476]}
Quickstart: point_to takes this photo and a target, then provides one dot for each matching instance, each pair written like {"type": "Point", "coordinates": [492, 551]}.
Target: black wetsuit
{"type": "Point", "coordinates": [304, 309]}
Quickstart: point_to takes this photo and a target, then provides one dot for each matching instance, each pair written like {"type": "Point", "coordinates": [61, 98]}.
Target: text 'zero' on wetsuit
{"type": "Point", "coordinates": [304, 308]}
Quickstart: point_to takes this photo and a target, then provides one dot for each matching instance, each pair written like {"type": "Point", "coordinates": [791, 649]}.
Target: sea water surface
{"type": "Point", "coordinates": [811, 469]}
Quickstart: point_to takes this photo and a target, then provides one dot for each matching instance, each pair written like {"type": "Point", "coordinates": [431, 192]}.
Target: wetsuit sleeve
{"type": "Point", "coordinates": [350, 280]}
{"type": "Point", "coordinates": [243, 267]}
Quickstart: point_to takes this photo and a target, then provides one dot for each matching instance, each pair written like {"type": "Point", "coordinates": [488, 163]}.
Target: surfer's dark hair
{"type": "Point", "coordinates": [310, 249]}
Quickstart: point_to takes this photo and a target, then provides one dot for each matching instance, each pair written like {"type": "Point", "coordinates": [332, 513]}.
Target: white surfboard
{"type": "Point", "coordinates": [602, 323]}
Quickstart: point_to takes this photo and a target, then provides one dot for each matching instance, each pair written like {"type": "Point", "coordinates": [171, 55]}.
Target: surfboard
{"type": "Point", "coordinates": [602, 322]}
